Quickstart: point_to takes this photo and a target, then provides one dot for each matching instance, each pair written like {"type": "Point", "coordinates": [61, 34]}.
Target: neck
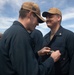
{"type": "Point", "coordinates": [24, 22]}
{"type": "Point", "coordinates": [55, 29]}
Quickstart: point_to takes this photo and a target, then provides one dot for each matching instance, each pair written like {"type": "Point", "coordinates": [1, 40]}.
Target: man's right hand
{"type": "Point", "coordinates": [56, 55]}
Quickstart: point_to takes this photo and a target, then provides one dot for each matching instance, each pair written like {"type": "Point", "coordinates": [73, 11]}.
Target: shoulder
{"type": "Point", "coordinates": [15, 32]}
{"type": "Point", "coordinates": [68, 32]}
{"type": "Point", "coordinates": [36, 33]}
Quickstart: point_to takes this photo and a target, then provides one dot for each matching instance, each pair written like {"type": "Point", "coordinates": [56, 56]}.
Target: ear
{"type": "Point", "coordinates": [29, 14]}
{"type": "Point", "coordinates": [59, 18]}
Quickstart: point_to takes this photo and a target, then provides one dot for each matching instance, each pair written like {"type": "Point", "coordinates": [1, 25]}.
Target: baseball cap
{"type": "Point", "coordinates": [52, 11]}
{"type": "Point", "coordinates": [34, 8]}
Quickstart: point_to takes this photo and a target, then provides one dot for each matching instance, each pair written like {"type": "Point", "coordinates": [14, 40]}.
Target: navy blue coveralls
{"type": "Point", "coordinates": [63, 40]}
{"type": "Point", "coordinates": [17, 56]}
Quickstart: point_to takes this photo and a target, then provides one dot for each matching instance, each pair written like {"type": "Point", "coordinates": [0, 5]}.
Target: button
{"type": "Point", "coordinates": [60, 34]}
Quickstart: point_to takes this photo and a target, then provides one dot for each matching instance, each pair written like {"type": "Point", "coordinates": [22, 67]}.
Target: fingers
{"type": "Point", "coordinates": [47, 48]}
{"type": "Point", "coordinates": [43, 51]}
{"type": "Point", "coordinates": [50, 52]}
{"type": "Point", "coordinates": [56, 55]}
{"type": "Point", "coordinates": [57, 51]}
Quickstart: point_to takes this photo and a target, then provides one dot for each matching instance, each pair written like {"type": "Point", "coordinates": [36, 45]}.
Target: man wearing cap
{"type": "Point", "coordinates": [17, 56]}
{"type": "Point", "coordinates": [58, 38]}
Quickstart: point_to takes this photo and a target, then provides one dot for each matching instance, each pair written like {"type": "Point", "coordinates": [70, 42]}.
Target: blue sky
{"type": "Point", "coordinates": [9, 12]}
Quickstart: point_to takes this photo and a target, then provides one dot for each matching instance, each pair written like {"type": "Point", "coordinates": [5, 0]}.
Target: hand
{"type": "Point", "coordinates": [44, 51]}
{"type": "Point", "coordinates": [56, 55]}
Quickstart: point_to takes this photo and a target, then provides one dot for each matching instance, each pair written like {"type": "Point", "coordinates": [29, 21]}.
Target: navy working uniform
{"type": "Point", "coordinates": [17, 56]}
{"type": "Point", "coordinates": [63, 40]}
{"type": "Point", "coordinates": [37, 39]}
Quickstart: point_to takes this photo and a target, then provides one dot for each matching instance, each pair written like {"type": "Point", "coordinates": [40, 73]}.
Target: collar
{"type": "Point", "coordinates": [19, 24]}
{"type": "Point", "coordinates": [59, 32]}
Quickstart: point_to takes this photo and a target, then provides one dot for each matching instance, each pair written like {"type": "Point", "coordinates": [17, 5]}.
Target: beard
{"type": "Point", "coordinates": [51, 23]}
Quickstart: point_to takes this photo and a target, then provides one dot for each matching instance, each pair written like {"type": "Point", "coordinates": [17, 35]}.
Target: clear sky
{"type": "Point", "coordinates": [9, 12]}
